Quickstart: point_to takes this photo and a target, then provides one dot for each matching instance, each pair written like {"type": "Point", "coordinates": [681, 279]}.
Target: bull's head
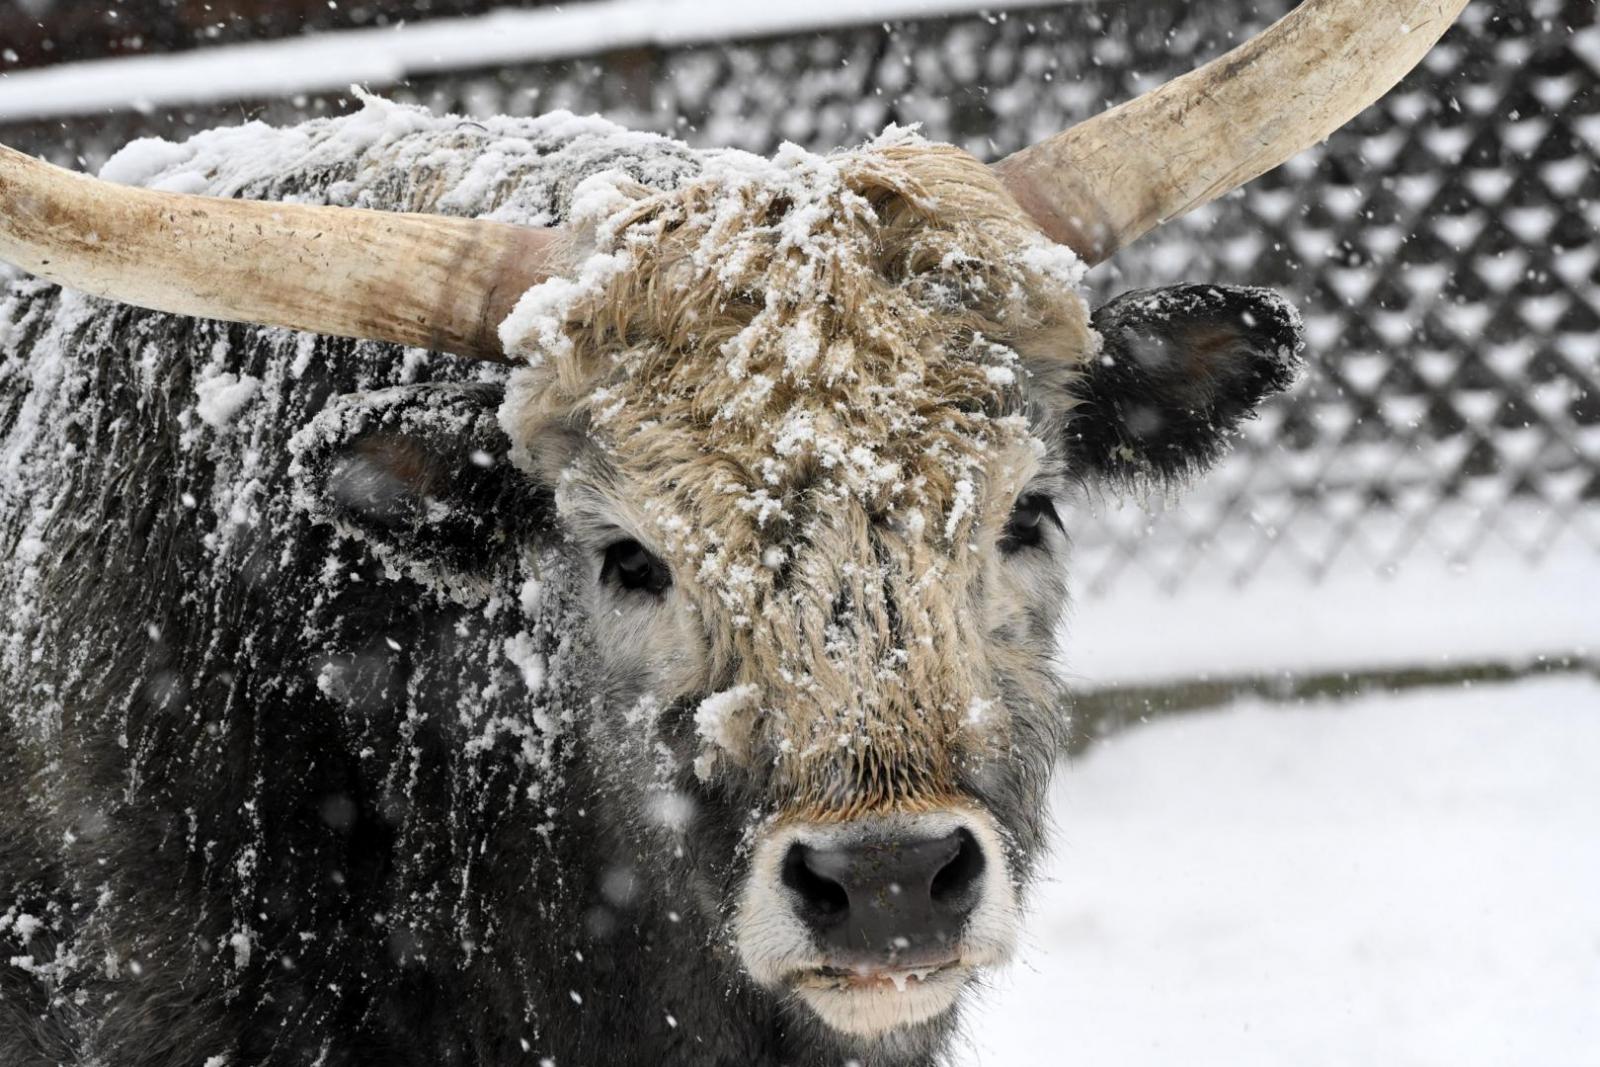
{"type": "Point", "coordinates": [792, 436]}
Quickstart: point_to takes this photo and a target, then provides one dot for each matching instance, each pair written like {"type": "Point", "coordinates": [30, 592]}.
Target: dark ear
{"type": "Point", "coordinates": [1179, 370]}
{"type": "Point", "coordinates": [421, 474]}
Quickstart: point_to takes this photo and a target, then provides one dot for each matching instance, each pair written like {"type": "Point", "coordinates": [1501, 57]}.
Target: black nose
{"type": "Point", "coordinates": [892, 900]}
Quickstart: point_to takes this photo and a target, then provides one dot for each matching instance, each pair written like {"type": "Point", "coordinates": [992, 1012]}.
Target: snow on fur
{"type": "Point", "coordinates": [131, 441]}
{"type": "Point", "coordinates": [802, 372]}
{"type": "Point", "coordinates": [803, 363]}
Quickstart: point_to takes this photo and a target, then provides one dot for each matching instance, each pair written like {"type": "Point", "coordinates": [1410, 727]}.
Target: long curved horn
{"type": "Point", "coordinates": [1105, 182]}
{"type": "Point", "coordinates": [425, 280]}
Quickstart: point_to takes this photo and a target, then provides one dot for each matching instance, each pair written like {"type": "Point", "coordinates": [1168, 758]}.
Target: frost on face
{"type": "Point", "coordinates": [804, 375]}
{"type": "Point", "coordinates": [522, 651]}
{"type": "Point", "coordinates": [717, 722]}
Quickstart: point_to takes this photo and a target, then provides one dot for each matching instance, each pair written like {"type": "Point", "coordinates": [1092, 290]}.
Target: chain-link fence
{"type": "Point", "coordinates": [1443, 250]}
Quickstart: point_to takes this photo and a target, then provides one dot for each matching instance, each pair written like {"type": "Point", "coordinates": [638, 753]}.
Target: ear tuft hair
{"type": "Point", "coordinates": [1178, 370]}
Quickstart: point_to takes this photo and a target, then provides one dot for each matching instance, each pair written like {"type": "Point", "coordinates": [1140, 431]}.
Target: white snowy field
{"type": "Point", "coordinates": [1394, 880]}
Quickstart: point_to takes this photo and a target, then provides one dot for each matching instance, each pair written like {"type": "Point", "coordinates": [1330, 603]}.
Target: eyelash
{"type": "Point", "coordinates": [633, 567]}
{"type": "Point", "coordinates": [1025, 528]}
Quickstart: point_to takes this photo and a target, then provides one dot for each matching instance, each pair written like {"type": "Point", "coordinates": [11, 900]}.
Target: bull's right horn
{"type": "Point", "coordinates": [1104, 182]}
{"type": "Point", "coordinates": [425, 280]}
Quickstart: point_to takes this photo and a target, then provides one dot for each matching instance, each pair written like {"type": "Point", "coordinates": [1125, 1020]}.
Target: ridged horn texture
{"type": "Point", "coordinates": [1105, 182]}
{"type": "Point", "coordinates": [424, 280]}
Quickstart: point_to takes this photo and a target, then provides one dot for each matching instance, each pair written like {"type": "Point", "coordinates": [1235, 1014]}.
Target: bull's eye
{"type": "Point", "coordinates": [1025, 528]}
{"type": "Point", "coordinates": [631, 566]}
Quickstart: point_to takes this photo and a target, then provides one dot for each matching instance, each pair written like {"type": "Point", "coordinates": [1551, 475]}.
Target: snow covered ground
{"type": "Point", "coordinates": [1429, 613]}
{"type": "Point", "coordinates": [1394, 880]}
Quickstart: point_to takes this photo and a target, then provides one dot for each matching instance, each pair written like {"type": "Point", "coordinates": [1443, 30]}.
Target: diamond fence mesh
{"type": "Point", "coordinates": [1443, 249]}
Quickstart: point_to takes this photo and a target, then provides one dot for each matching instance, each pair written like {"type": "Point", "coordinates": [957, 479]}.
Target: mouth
{"type": "Point", "coordinates": [871, 1001]}
{"type": "Point", "coordinates": [862, 979]}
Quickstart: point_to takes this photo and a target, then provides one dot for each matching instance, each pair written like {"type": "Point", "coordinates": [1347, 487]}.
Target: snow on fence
{"type": "Point", "coordinates": [380, 58]}
{"type": "Point", "coordinates": [1431, 492]}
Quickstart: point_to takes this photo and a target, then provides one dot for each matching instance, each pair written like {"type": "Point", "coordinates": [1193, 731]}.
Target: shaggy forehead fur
{"type": "Point", "coordinates": [808, 378]}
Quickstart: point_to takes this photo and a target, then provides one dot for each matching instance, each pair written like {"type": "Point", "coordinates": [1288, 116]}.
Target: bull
{"type": "Point", "coordinates": [671, 680]}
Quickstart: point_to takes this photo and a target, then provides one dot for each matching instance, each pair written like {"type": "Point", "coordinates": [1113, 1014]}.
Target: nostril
{"type": "Point", "coordinates": [956, 884]}
{"type": "Point", "coordinates": [822, 898]}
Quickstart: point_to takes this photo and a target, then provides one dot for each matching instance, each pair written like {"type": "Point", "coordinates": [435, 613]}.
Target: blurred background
{"type": "Point", "coordinates": [1381, 843]}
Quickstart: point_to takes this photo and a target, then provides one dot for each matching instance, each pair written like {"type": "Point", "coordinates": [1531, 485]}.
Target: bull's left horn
{"type": "Point", "coordinates": [1103, 183]}
{"type": "Point", "coordinates": [424, 280]}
